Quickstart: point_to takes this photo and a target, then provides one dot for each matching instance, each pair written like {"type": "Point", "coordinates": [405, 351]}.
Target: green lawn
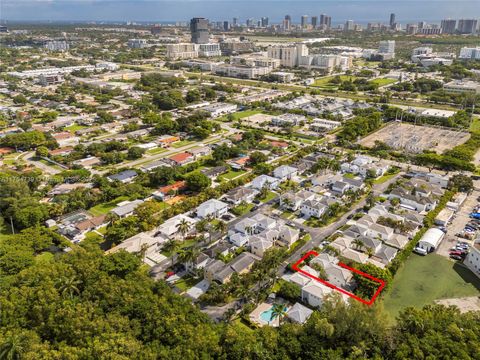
{"type": "Point", "coordinates": [424, 279]}
{"type": "Point", "coordinates": [232, 174]}
{"type": "Point", "coordinates": [104, 208]}
{"type": "Point", "coordinates": [242, 209]}
{"type": "Point", "coordinates": [74, 127]}
{"type": "Point", "coordinates": [324, 82]}
{"type": "Point", "coordinates": [475, 126]}
{"type": "Point", "coordinates": [182, 143]}
{"type": "Point", "coordinates": [240, 115]}
{"type": "Point", "coordinates": [383, 81]}
{"type": "Point", "coordinates": [384, 178]}
{"type": "Point", "coordinates": [186, 283]}
{"type": "Point", "coordinates": [270, 196]}
{"type": "Point", "coordinates": [155, 151]}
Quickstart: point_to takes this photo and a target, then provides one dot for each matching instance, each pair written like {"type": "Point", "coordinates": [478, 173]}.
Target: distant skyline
{"type": "Point", "coordinates": [181, 10]}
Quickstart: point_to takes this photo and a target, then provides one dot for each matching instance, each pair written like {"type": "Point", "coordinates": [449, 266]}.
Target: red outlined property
{"type": "Point", "coordinates": [381, 283]}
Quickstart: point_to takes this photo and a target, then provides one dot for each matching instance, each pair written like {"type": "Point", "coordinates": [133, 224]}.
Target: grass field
{"type": "Point", "coordinates": [242, 209]}
{"type": "Point", "coordinates": [74, 127]}
{"type": "Point", "coordinates": [324, 82]}
{"type": "Point", "coordinates": [104, 208]}
{"type": "Point", "coordinates": [270, 196]}
{"type": "Point", "coordinates": [383, 81]}
{"type": "Point", "coordinates": [475, 126]}
{"type": "Point", "coordinates": [182, 143]}
{"type": "Point", "coordinates": [155, 151]}
{"type": "Point", "coordinates": [384, 178]}
{"type": "Point", "coordinates": [424, 279]}
{"type": "Point", "coordinates": [232, 174]}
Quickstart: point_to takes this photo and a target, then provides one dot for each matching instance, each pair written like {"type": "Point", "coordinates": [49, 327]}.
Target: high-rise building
{"type": "Point", "coordinates": [314, 21]}
{"type": "Point", "coordinates": [349, 25]}
{"type": "Point", "coordinates": [264, 21]}
{"type": "Point", "coordinates": [235, 22]}
{"type": "Point", "coordinates": [199, 30]}
{"type": "Point", "coordinates": [304, 21]}
{"type": "Point", "coordinates": [287, 22]}
{"type": "Point", "coordinates": [226, 26]}
{"type": "Point", "coordinates": [412, 29]}
{"type": "Point", "coordinates": [250, 22]}
{"type": "Point", "coordinates": [386, 47]}
{"type": "Point", "coordinates": [392, 21]}
{"type": "Point", "coordinates": [325, 21]}
{"type": "Point", "coordinates": [467, 26]}
{"type": "Point", "coordinates": [448, 26]}
{"type": "Point", "coordinates": [422, 24]}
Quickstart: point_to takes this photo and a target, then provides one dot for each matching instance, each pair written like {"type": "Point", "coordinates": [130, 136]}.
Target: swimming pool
{"type": "Point", "coordinates": [267, 315]}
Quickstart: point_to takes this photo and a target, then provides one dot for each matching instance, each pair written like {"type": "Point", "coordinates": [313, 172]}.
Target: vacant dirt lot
{"type": "Point", "coordinates": [415, 139]}
{"type": "Point", "coordinates": [465, 304]}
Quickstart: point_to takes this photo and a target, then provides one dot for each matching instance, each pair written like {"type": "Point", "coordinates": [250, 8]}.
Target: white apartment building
{"type": "Point", "coordinates": [470, 53]}
{"type": "Point", "coordinates": [181, 51]}
{"type": "Point", "coordinates": [137, 43]}
{"type": "Point", "coordinates": [209, 50]}
{"type": "Point", "coordinates": [387, 47]}
{"type": "Point", "coordinates": [472, 261]}
{"type": "Point", "coordinates": [241, 71]}
{"type": "Point", "coordinates": [57, 45]}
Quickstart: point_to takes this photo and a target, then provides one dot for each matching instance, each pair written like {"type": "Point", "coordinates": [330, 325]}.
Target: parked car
{"type": "Point", "coordinates": [420, 251]}
{"type": "Point", "coordinates": [456, 257]}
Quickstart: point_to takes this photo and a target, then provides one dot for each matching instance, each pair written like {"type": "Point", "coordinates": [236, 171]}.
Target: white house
{"type": "Point", "coordinates": [169, 228]}
{"type": "Point", "coordinates": [212, 208]}
{"type": "Point", "coordinates": [298, 313]}
{"type": "Point", "coordinates": [312, 208]}
{"type": "Point", "coordinates": [314, 293]}
{"type": "Point", "coordinates": [265, 181]}
{"type": "Point", "coordinates": [287, 236]}
{"type": "Point", "coordinates": [285, 172]}
{"type": "Point", "coordinates": [259, 245]}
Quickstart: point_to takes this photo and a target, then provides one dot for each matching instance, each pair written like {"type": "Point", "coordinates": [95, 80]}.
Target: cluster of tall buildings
{"type": "Point", "coordinates": [323, 22]}
{"type": "Point", "coordinates": [57, 45]}
{"type": "Point", "coordinates": [446, 26]}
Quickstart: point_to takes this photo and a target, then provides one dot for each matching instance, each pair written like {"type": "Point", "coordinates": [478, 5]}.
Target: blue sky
{"type": "Point", "coordinates": [171, 10]}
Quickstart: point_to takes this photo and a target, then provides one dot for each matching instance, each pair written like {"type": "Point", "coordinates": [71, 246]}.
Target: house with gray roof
{"type": "Point", "coordinates": [298, 313]}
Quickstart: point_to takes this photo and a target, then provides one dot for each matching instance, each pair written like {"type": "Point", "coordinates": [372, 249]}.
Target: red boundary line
{"type": "Point", "coordinates": [368, 276]}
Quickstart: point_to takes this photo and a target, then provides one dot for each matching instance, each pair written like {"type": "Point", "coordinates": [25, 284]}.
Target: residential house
{"type": "Point", "coordinates": [214, 172]}
{"type": "Point", "coordinates": [198, 264]}
{"type": "Point", "coordinates": [239, 163]}
{"type": "Point", "coordinates": [314, 293]}
{"type": "Point", "coordinates": [313, 208]}
{"type": "Point", "coordinates": [287, 236]}
{"type": "Point", "coordinates": [65, 138]}
{"type": "Point", "coordinates": [167, 140]}
{"type": "Point", "coordinates": [126, 208]}
{"type": "Point", "coordinates": [212, 268]}
{"type": "Point", "coordinates": [411, 201]}
{"type": "Point", "coordinates": [258, 245]}
{"type": "Point", "coordinates": [285, 172]}
{"type": "Point", "coordinates": [293, 201]}
{"type": "Point", "coordinates": [181, 159]}
{"type": "Point", "coordinates": [166, 192]}
{"type": "Point", "coordinates": [238, 239]}
{"type": "Point", "coordinates": [124, 177]}
{"type": "Point", "coordinates": [241, 194]}
{"type": "Point", "coordinates": [386, 254]}
{"type": "Point", "coordinates": [170, 228]}
{"type": "Point", "coordinates": [212, 208]}
{"type": "Point", "coordinates": [298, 313]}
{"type": "Point", "coordinates": [262, 181]}
{"type": "Point", "coordinates": [199, 152]}
{"type": "Point", "coordinates": [240, 265]}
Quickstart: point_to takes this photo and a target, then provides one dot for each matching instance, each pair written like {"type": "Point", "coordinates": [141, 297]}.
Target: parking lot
{"type": "Point", "coordinates": [461, 218]}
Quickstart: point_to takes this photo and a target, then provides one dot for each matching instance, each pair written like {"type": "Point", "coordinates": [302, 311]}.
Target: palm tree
{"type": "Point", "coordinates": [370, 252]}
{"type": "Point", "coordinates": [278, 311]}
{"type": "Point", "coordinates": [69, 286]}
{"type": "Point", "coordinates": [143, 251]}
{"type": "Point", "coordinates": [287, 202]}
{"type": "Point", "coordinates": [188, 255]}
{"type": "Point", "coordinates": [249, 230]}
{"type": "Point", "coordinates": [183, 227]}
{"type": "Point", "coordinates": [12, 348]}
{"type": "Point", "coordinates": [171, 246]}
{"type": "Point", "coordinates": [359, 244]}
{"type": "Point", "coordinates": [220, 226]}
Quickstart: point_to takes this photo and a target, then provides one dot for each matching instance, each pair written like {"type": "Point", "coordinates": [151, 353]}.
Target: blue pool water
{"type": "Point", "coordinates": [267, 315]}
